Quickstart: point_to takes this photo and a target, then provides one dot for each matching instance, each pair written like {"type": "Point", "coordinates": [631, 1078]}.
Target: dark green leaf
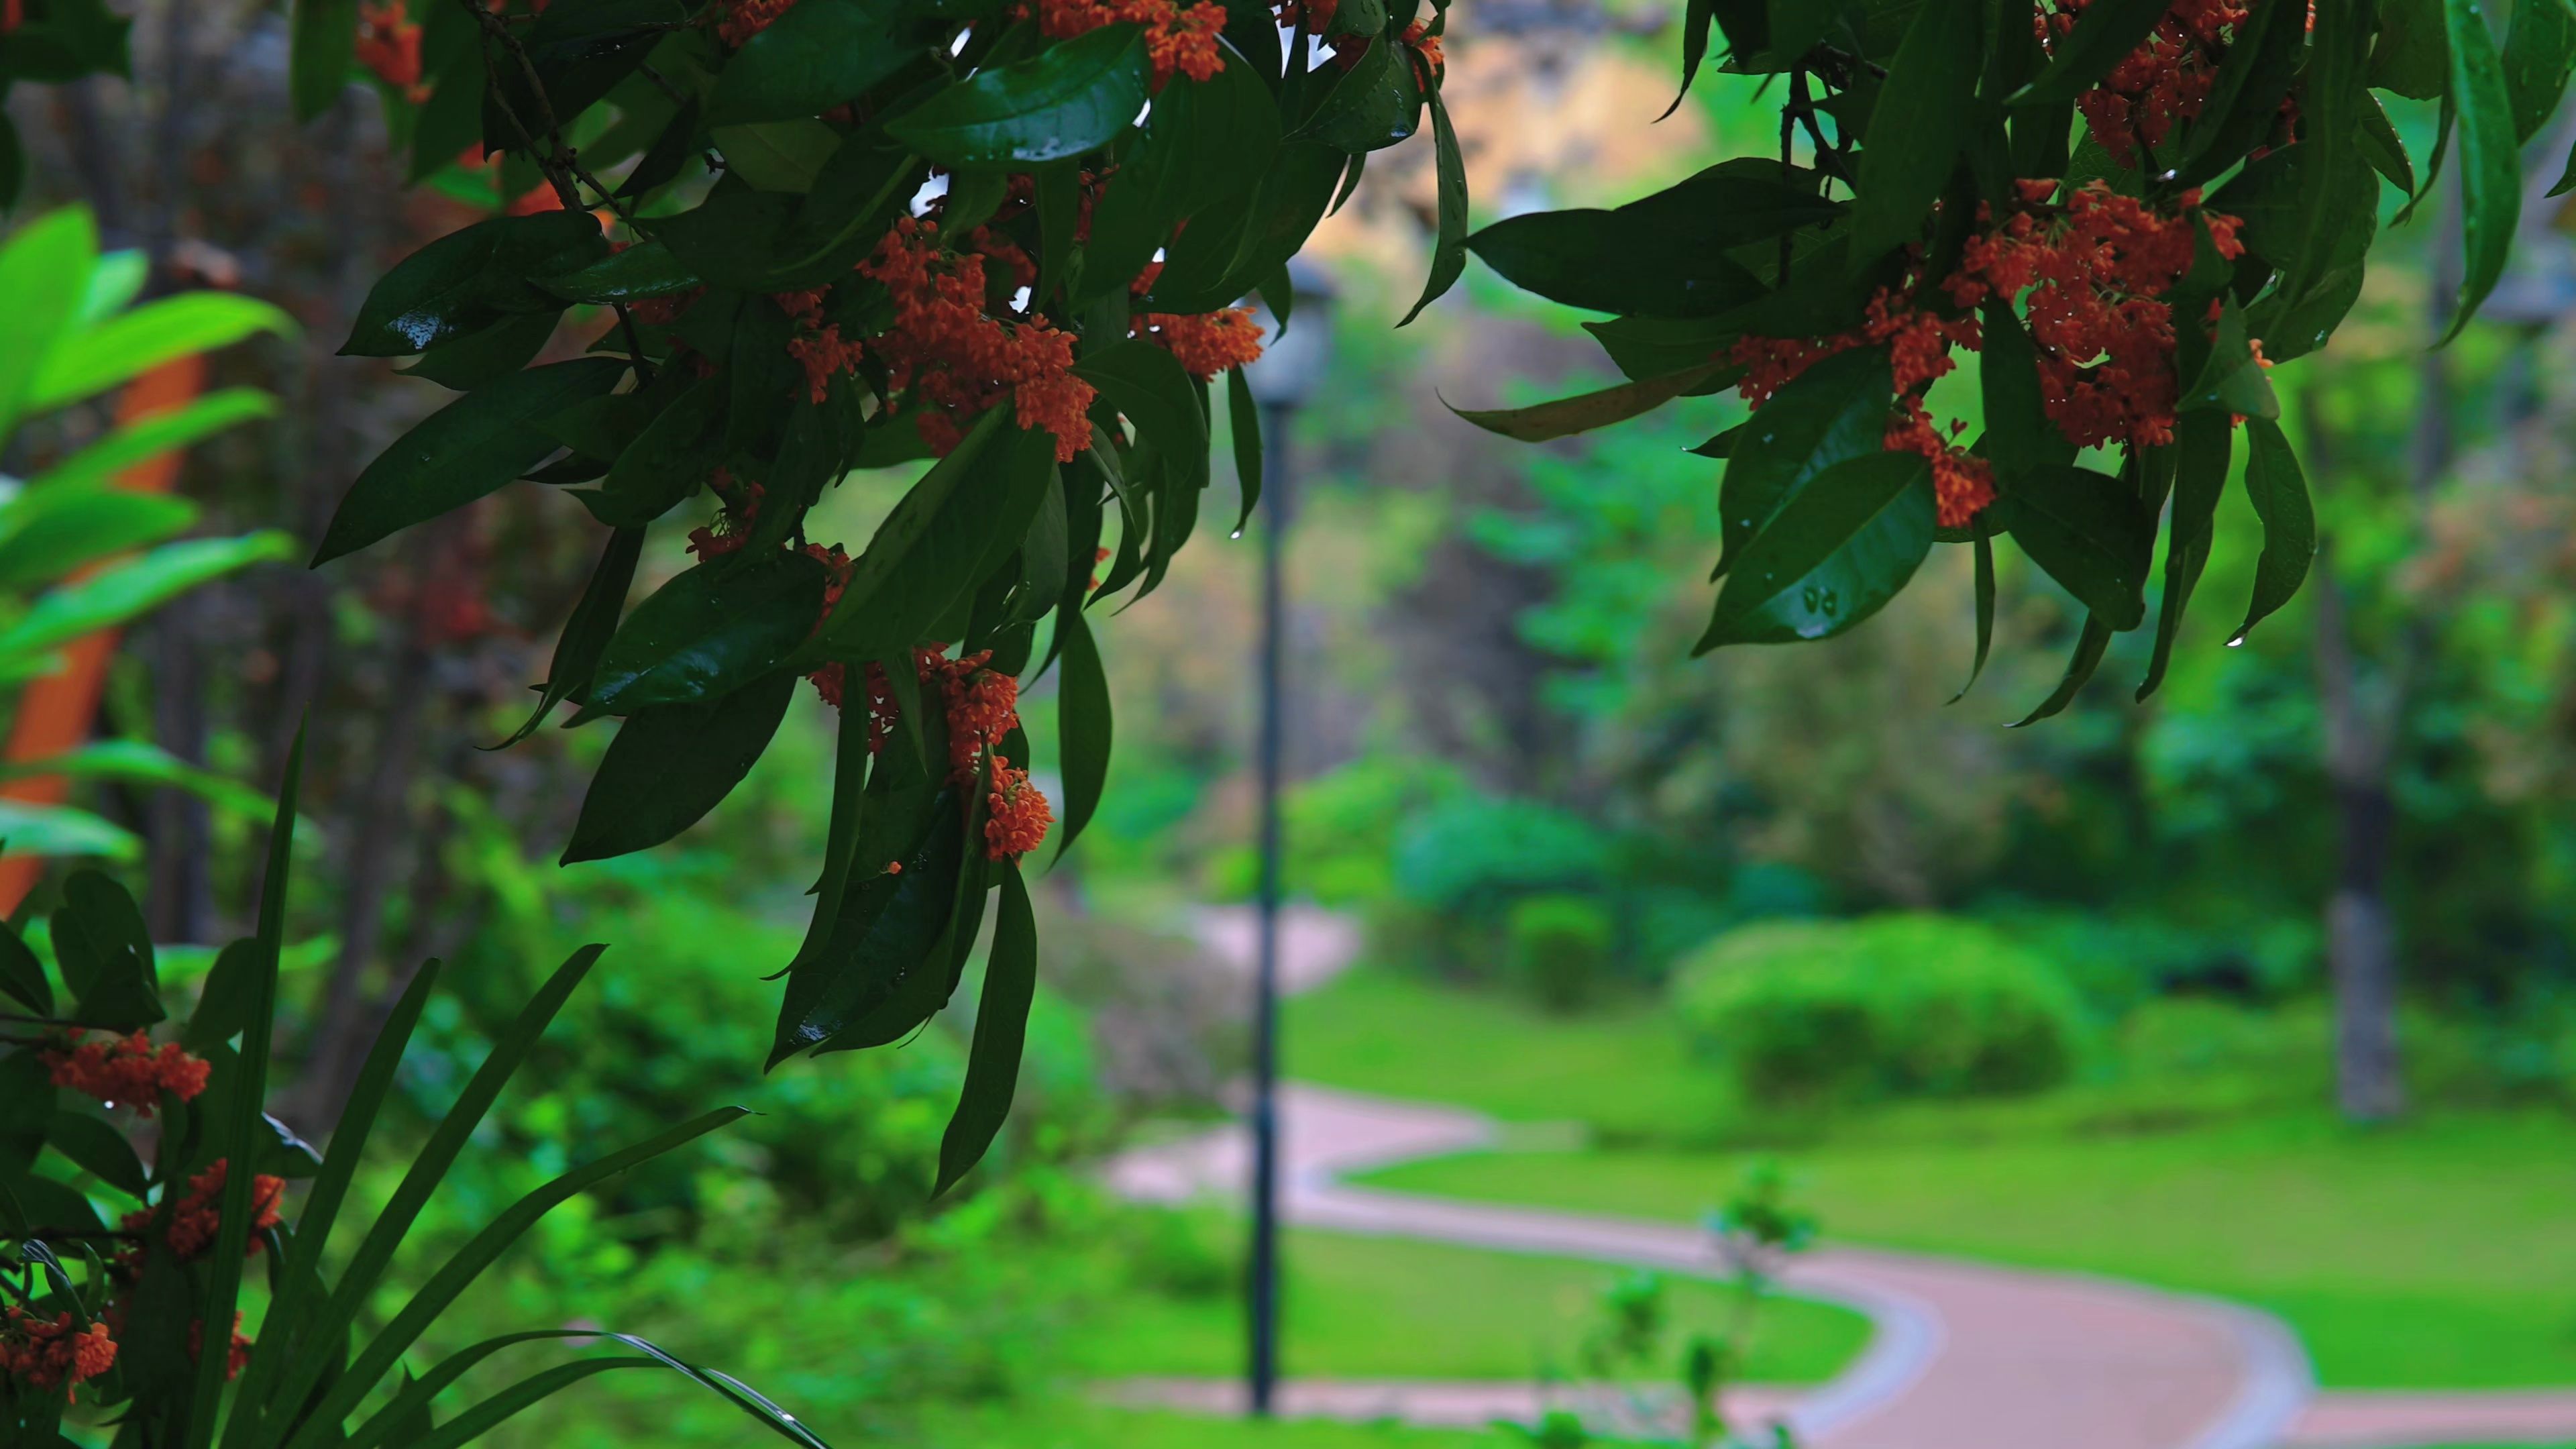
{"type": "Point", "coordinates": [2490, 169]}
{"type": "Point", "coordinates": [2279, 492]}
{"type": "Point", "coordinates": [1581, 414]}
{"type": "Point", "coordinates": [2232, 380]}
{"type": "Point", "coordinates": [1001, 1029]}
{"type": "Point", "coordinates": [95, 1146]}
{"type": "Point", "coordinates": [955, 526]}
{"type": "Point", "coordinates": [781, 156]}
{"type": "Point", "coordinates": [1661, 256]}
{"type": "Point", "coordinates": [2381, 146]}
{"type": "Point", "coordinates": [238, 1130]}
{"type": "Point", "coordinates": [709, 631]}
{"type": "Point", "coordinates": [2088, 531]}
{"type": "Point", "coordinates": [646, 269]}
{"type": "Point", "coordinates": [667, 461]}
{"type": "Point", "coordinates": [2019, 432]}
{"type": "Point", "coordinates": [1696, 18]}
{"type": "Point", "coordinates": [2409, 57]}
{"type": "Point", "coordinates": [469, 279]}
{"type": "Point", "coordinates": [1920, 122]}
{"type": "Point", "coordinates": [1449, 245]}
{"type": "Point", "coordinates": [1082, 725]}
{"type": "Point", "coordinates": [105, 954]}
{"type": "Point", "coordinates": [230, 995]}
{"type": "Point", "coordinates": [476, 359]}
{"type": "Point", "coordinates": [323, 46]}
{"type": "Point", "coordinates": [586, 634]}
{"type": "Point", "coordinates": [2539, 54]}
{"type": "Point", "coordinates": [470, 448]}
{"type": "Point", "coordinates": [671, 764]}
{"type": "Point", "coordinates": [1985, 586]}
{"type": "Point", "coordinates": [2087, 657]}
{"type": "Point", "coordinates": [1833, 555]}
{"type": "Point", "coordinates": [1243, 416]}
{"type": "Point", "coordinates": [889, 926]}
{"type": "Point", "coordinates": [1144, 381]}
{"type": "Point", "coordinates": [1375, 104]}
{"type": "Point", "coordinates": [2200, 476]}
{"type": "Point", "coordinates": [2105, 33]}
{"type": "Point", "coordinates": [22, 975]}
{"type": "Point", "coordinates": [1835, 411]}
{"type": "Point", "coordinates": [1206, 142]}
{"type": "Point", "coordinates": [811, 59]}
{"type": "Point", "coordinates": [1070, 98]}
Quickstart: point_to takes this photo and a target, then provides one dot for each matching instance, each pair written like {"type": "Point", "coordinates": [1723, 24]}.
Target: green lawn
{"type": "Point", "coordinates": [2438, 1254]}
{"type": "Point", "coordinates": [1388, 1308]}
{"type": "Point", "coordinates": [1076, 1424]}
{"type": "Point", "coordinates": [1619, 1069]}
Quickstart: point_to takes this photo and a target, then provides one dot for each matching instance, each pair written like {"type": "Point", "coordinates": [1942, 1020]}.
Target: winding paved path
{"type": "Point", "coordinates": [1963, 1355]}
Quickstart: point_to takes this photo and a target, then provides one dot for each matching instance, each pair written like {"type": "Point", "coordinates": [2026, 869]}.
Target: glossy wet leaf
{"type": "Point", "coordinates": [1833, 555]}
{"type": "Point", "coordinates": [1067, 99]}
{"type": "Point", "coordinates": [673, 763]}
{"type": "Point", "coordinates": [2490, 165]}
{"type": "Point", "coordinates": [709, 632]}
{"type": "Point", "coordinates": [812, 58]}
{"type": "Point", "coordinates": [2278, 489]}
{"type": "Point", "coordinates": [1919, 123]}
{"type": "Point", "coordinates": [1565, 417]}
{"type": "Point", "coordinates": [1834, 411]}
{"type": "Point", "coordinates": [1001, 1030]}
{"type": "Point", "coordinates": [466, 450]}
{"type": "Point", "coordinates": [2088, 531]}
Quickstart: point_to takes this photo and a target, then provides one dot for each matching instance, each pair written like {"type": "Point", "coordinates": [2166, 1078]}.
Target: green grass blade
{"type": "Point", "coordinates": [301, 1296]}
{"type": "Point", "coordinates": [417, 1393]}
{"type": "Point", "coordinates": [242, 1127]}
{"type": "Point", "coordinates": [380, 1356]}
{"type": "Point", "coordinates": [358, 1282]}
{"type": "Point", "coordinates": [475, 1422]}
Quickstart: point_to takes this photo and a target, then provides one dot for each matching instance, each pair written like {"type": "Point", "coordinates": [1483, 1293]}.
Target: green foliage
{"type": "Point", "coordinates": [76, 553]}
{"type": "Point", "coordinates": [1912, 141]}
{"type": "Point", "coordinates": [777, 329]}
{"type": "Point", "coordinates": [1890, 1006]}
{"type": "Point", "coordinates": [212, 1197]}
{"type": "Point", "coordinates": [1559, 948]}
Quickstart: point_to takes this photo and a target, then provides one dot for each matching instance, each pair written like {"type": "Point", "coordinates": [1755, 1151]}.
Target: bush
{"type": "Point", "coordinates": [1559, 949]}
{"type": "Point", "coordinates": [1823, 1012]}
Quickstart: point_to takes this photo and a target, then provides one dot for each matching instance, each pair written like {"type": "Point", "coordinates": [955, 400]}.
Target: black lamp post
{"type": "Point", "coordinates": [1281, 382]}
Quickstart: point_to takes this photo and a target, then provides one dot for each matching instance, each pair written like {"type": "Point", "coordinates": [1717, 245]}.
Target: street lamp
{"type": "Point", "coordinates": [1281, 382]}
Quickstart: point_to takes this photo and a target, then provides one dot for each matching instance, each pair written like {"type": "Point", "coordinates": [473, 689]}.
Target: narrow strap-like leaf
{"type": "Point", "coordinates": [242, 1127]}
{"type": "Point", "coordinates": [385, 1351]}
{"type": "Point", "coordinates": [417, 1394]}
{"type": "Point", "coordinates": [2079, 667]}
{"type": "Point", "coordinates": [1082, 725]}
{"type": "Point", "coordinates": [1449, 248]}
{"type": "Point", "coordinates": [367, 1265]}
{"type": "Point", "coordinates": [481, 1419]}
{"type": "Point", "coordinates": [1001, 1030]}
{"type": "Point", "coordinates": [1985, 545]}
{"type": "Point", "coordinates": [2279, 492]}
{"type": "Point", "coordinates": [1245, 419]}
{"type": "Point", "coordinates": [302, 1295]}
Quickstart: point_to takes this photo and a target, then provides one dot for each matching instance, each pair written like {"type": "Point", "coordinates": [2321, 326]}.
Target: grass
{"type": "Point", "coordinates": [2430, 1255]}
{"type": "Point", "coordinates": [1381, 1308]}
{"type": "Point", "coordinates": [1618, 1069]}
{"type": "Point", "coordinates": [1081, 1425]}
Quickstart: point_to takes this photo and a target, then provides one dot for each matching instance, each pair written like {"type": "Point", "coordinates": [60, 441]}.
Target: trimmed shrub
{"type": "Point", "coordinates": [1830, 1012]}
{"type": "Point", "coordinates": [1558, 949]}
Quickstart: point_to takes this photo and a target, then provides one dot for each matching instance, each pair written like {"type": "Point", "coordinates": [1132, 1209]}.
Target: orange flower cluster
{"type": "Point", "coordinates": [958, 361]}
{"type": "Point", "coordinates": [389, 45]}
{"type": "Point", "coordinates": [1428, 61]}
{"type": "Point", "coordinates": [2164, 82]}
{"type": "Point", "coordinates": [236, 1356]}
{"type": "Point", "coordinates": [45, 1355]}
{"type": "Point", "coordinates": [127, 1069]}
{"type": "Point", "coordinates": [1206, 344]}
{"type": "Point", "coordinates": [824, 356]}
{"type": "Point", "coordinates": [981, 707]}
{"type": "Point", "coordinates": [2093, 280]}
{"type": "Point", "coordinates": [1016, 813]}
{"type": "Point", "coordinates": [1176, 39]}
{"type": "Point", "coordinates": [744, 19]}
{"type": "Point", "coordinates": [1918, 345]}
{"type": "Point", "coordinates": [195, 1218]}
{"type": "Point", "coordinates": [732, 528]}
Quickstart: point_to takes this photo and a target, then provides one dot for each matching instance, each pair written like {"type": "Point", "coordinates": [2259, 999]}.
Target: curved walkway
{"type": "Point", "coordinates": [1963, 1355]}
